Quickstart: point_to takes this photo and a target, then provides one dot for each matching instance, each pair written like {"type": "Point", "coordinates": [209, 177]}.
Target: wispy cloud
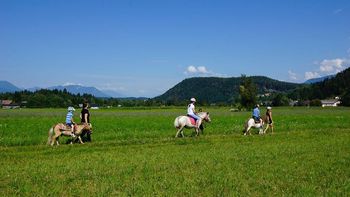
{"type": "Point", "coordinates": [337, 11]}
{"type": "Point", "coordinates": [112, 87]}
{"type": "Point", "coordinates": [70, 83]}
{"type": "Point", "coordinates": [311, 75]}
{"type": "Point", "coordinates": [333, 66]}
{"type": "Point", "coordinates": [292, 75]}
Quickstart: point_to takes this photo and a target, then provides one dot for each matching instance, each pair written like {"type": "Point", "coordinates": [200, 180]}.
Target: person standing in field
{"type": "Point", "coordinates": [268, 119]}
{"type": "Point", "coordinates": [85, 119]}
{"type": "Point", "coordinates": [192, 112]}
{"type": "Point", "coordinates": [69, 120]}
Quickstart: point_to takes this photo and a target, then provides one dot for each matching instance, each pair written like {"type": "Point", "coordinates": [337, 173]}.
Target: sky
{"type": "Point", "coordinates": [145, 47]}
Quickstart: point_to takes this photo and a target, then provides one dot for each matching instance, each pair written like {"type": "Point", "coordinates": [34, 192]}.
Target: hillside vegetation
{"type": "Point", "coordinates": [332, 87]}
{"type": "Point", "coordinates": [209, 90]}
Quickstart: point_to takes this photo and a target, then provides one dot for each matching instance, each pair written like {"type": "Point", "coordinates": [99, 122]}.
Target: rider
{"type": "Point", "coordinates": [69, 120]}
{"type": "Point", "coordinates": [192, 112]}
{"type": "Point", "coordinates": [256, 114]}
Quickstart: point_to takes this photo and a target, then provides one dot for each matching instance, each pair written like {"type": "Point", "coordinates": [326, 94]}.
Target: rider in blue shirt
{"type": "Point", "coordinates": [256, 114]}
{"type": "Point", "coordinates": [69, 119]}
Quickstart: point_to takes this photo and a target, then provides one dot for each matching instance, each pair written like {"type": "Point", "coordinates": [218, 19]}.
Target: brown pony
{"type": "Point", "coordinates": [60, 129]}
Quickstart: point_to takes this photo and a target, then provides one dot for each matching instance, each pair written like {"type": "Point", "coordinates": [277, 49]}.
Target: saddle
{"type": "Point", "coordinates": [193, 121]}
{"type": "Point", "coordinates": [68, 128]}
{"type": "Point", "coordinates": [256, 121]}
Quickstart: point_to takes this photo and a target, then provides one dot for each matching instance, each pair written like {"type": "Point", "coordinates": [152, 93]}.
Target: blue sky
{"type": "Point", "coordinates": [143, 48]}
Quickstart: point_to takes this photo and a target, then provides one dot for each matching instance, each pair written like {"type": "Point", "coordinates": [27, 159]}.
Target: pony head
{"type": "Point", "coordinates": [88, 127]}
{"type": "Point", "coordinates": [206, 116]}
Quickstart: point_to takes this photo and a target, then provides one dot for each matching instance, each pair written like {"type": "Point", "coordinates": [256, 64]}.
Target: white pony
{"type": "Point", "coordinates": [251, 123]}
{"type": "Point", "coordinates": [182, 122]}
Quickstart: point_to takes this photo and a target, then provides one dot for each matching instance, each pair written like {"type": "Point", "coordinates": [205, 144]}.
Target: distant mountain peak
{"type": "Point", "coordinates": [319, 79]}
{"type": "Point", "coordinates": [78, 89]}
{"type": "Point", "coordinates": [6, 86]}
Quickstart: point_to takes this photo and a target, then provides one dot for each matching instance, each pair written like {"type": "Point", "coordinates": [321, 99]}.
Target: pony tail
{"type": "Point", "coordinates": [49, 139]}
{"type": "Point", "coordinates": [176, 123]}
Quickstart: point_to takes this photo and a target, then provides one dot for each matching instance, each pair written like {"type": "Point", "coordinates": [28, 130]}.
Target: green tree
{"type": "Point", "coordinates": [280, 100]}
{"type": "Point", "coordinates": [315, 102]}
{"type": "Point", "coordinates": [345, 99]}
{"type": "Point", "coordinates": [247, 92]}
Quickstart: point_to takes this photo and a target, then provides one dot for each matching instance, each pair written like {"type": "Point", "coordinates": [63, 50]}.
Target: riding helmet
{"type": "Point", "coordinates": [71, 109]}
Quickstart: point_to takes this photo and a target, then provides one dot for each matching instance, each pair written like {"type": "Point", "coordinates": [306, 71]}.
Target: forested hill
{"type": "Point", "coordinates": [335, 86]}
{"type": "Point", "coordinates": [209, 90]}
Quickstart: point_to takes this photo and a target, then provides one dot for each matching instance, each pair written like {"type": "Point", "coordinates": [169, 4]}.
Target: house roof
{"type": "Point", "coordinates": [331, 101]}
{"type": "Point", "coordinates": [6, 102]}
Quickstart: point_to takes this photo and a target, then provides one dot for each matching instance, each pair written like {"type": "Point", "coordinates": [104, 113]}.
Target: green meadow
{"type": "Point", "coordinates": [134, 153]}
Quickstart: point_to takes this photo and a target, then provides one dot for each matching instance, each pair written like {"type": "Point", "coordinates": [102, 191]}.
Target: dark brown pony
{"type": "Point", "coordinates": [60, 129]}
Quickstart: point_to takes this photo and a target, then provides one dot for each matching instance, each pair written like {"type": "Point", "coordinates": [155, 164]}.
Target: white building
{"type": "Point", "coordinates": [330, 103]}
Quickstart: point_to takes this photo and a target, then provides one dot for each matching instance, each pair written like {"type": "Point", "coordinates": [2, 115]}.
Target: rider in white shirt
{"type": "Point", "coordinates": [192, 112]}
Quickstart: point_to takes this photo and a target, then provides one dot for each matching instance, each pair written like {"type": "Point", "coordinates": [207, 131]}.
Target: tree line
{"type": "Point", "coordinates": [242, 92]}
{"type": "Point", "coordinates": [306, 94]}
{"type": "Point", "coordinates": [62, 98]}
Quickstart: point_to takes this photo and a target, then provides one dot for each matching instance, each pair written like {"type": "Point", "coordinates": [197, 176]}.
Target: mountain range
{"type": "Point", "coordinates": [6, 86]}
{"type": "Point", "coordinates": [206, 89]}
{"type": "Point", "coordinates": [319, 79]}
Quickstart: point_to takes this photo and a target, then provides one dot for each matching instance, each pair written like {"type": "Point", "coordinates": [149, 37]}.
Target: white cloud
{"type": "Point", "coordinates": [332, 66]}
{"type": "Point", "coordinates": [292, 75]}
{"type": "Point", "coordinates": [328, 67]}
{"type": "Point", "coordinates": [311, 75]}
{"type": "Point", "coordinates": [191, 69]}
{"type": "Point", "coordinates": [202, 69]}
{"type": "Point", "coordinates": [70, 84]}
{"type": "Point", "coordinates": [196, 70]}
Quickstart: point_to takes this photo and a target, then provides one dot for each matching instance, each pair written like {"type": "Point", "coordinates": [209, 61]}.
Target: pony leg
{"type": "Point", "coordinates": [261, 131]}
{"type": "Point", "coordinates": [201, 129]}
{"type": "Point", "coordinates": [54, 140]}
{"type": "Point", "coordinates": [199, 122]}
{"type": "Point", "coordinates": [197, 131]}
{"type": "Point", "coordinates": [178, 131]}
{"type": "Point", "coordinates": [248, 131]}
{"type": "Point", "coordinates": [55, 134]}
{"type": "Point", "coordinates": [81, 141]}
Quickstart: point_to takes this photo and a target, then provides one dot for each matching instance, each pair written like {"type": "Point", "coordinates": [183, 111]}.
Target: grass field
{"type": "Point", "coordinates": [134, 153]}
